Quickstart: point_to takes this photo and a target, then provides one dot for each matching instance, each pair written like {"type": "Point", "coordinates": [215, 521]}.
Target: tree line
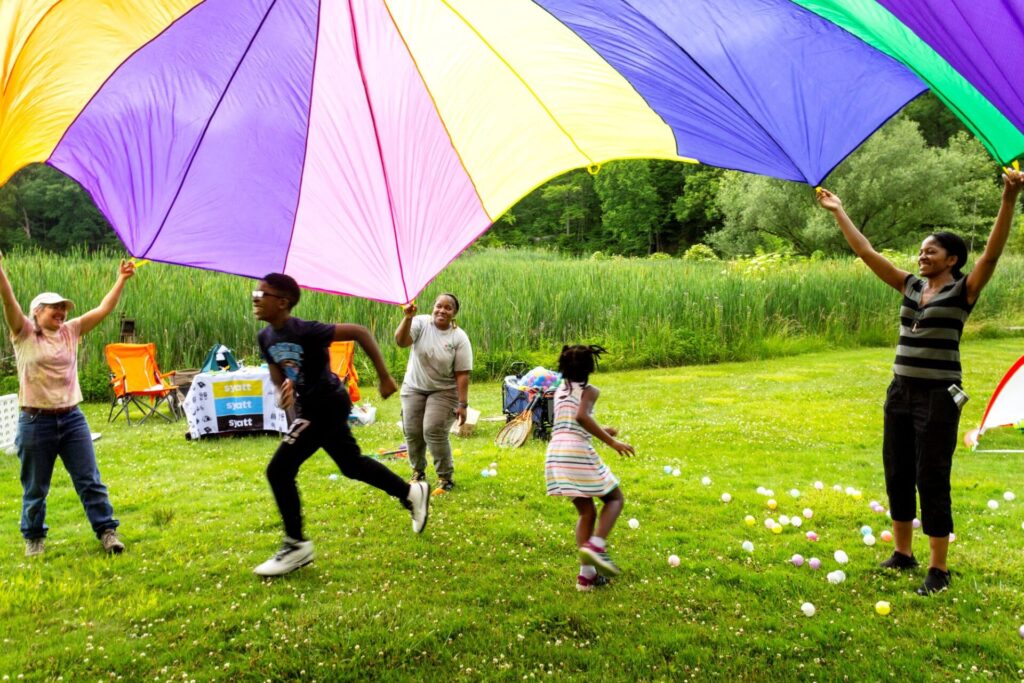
{"type": "Point", "coordinates": [921, 171]}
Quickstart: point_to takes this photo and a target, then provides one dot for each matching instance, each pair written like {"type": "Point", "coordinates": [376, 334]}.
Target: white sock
{"type": "Point", "coordinates": [598, 542]}
{"type": "Point", "coordinates": [588, 571]}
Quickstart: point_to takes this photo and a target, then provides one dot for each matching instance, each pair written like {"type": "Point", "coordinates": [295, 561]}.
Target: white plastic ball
{"type": "Point", "coordinates": [748, 546]}
{"type": "Point", "coordinates": [706, 481]}
{"type": "Point", "coordinates": [819, 485]}
{"type": "Point", "coordinates": [333, 476]}
{"type": "Point", "coordinates": [837, 488]}
{"type": "Point", "coordinates": [993, 505]}
{"type": "Point", "coordinates": [676, 472]}
{"type": "Point", "coordinates": [797, 560]}
{"type": "Point", "coordinates": [493, 465]}
{"type": "Point", "coordinates": [769, 523]}
{"type": "Point", "coordinates": [796, 521]}
{"type": "Point", "coordinates": [850, 490]}
{"type": "Point", "coordinates": [784, 519]}
{"type": "Point", "coordinates": [634, 523]}
{"type": "Point", "coordinates": [808, 610]}
{"type": "Point", "coordinates": [726, 497]}
{"type": "Point", "coordinates": [794, 492]}
{"type": "Point", "coordinates": [760, 490]}
{"type": "Point", "coordinates": [673, 560]}
{"type": "Point", "coordinates": [1020, 631]}
{"type": "Point", "coordinates": [808, 513]}
{"type": "Point", "coordinates": [869, 540]}
{"type": "Point", "coordinates": [837, 577]}
{"type": "Point", "coordinates": [1009, 496]}
{"type": "Point", "coordinates": [841, 557]}
{"type": "Point", "coordinates": [916, 523]}
{"type": "Point", "coordinates": [769, 493]}
{"type": "Point", "coordinates": [952, 537]}
{"type": "Point", "coordinates": [492, 473]}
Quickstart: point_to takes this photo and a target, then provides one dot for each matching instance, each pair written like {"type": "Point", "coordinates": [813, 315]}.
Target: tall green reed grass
{"type": "Point", "coordinates": [523, 305]}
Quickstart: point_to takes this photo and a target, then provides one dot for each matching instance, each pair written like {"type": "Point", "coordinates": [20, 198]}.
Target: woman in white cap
{"type": "Point", "coordinates": [51, 424]}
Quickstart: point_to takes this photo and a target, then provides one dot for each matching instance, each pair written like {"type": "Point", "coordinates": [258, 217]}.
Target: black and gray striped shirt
{"type": "Point", "coordinates": [929, 345]}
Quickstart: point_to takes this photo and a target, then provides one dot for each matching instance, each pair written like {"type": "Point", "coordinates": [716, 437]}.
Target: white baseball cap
{"type": "Point", "coordinates": [50, 298]}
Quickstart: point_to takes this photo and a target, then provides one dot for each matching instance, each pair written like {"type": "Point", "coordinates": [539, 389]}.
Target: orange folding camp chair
{"type": "Point", "coordinates": [342, 365]}
{"type": "Point", "coordinates": [136, 380]}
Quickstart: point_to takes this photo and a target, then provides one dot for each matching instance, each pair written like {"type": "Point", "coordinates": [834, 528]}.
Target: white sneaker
{"type": "Point", "coordinates": [419, 501]}
{"type": "Point", "coordinates": [292, 555]}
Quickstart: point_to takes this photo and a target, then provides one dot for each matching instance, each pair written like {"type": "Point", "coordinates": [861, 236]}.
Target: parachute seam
{"type": "Point", "coordinates": [437, 110]}
{"type": "Point", "coordinates": [380, 149]}
{"type": "Point", "coordinates": [725, 90]}
{"type": "Point", "coordinates": [206, 127]}
{"type": "Point", "coordinates": [305, 149]}
{"type": "Point", "coordinates": [523, 82]}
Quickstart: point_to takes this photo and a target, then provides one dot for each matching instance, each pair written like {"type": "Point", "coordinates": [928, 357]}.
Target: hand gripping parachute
{"type": "Point", "coordinates": [361, 145]}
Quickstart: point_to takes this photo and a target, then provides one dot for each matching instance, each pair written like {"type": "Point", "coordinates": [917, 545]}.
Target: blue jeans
{"type": "Point", "coordinates": [41, 438]}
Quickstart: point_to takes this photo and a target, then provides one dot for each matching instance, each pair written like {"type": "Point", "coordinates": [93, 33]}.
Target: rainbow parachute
{"type": "Point", "coordinates": [361, 145]}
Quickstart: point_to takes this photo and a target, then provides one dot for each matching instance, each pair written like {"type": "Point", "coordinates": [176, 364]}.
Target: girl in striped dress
{"type": "Point", "coordinates": [923, 403]}
{"type": "Point", "coordinates": [573, 468]}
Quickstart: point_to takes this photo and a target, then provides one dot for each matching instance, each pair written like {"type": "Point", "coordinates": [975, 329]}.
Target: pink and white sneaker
{"type": "Point", "coordinates": [591, 554]}
{"type": "Point", "coordinates": [584, 585]}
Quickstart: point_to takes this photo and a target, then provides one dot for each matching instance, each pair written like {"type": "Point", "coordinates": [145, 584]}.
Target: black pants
{"type": "Point", "coordinates": [921, 422]}
{"type": "Point", "coordinates": [327, 429]}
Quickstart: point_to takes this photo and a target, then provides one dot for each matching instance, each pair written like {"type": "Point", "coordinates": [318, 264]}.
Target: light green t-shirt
{"type": "Point", "coordinates": [436, 356]}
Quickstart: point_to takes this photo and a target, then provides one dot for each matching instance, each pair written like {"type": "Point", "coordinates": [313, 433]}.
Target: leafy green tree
{"type": "Point", "coordinates": [895, 187]}
{"type": "Point", "coordinates": [629, 207]}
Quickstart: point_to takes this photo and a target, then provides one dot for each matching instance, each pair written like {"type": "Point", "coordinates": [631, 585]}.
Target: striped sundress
{"type": "Point", "coordinates": [572, 467]}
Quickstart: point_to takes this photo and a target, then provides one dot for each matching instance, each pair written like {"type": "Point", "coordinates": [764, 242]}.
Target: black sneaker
{"type": "Point", "coordinates": [418, 475]}
{"type": "Point", "coordinates": [444, 486]}
{"type": "Point", "coordinates": [934, 581]}
{"type": "Point", "coordinates": [899, 562]}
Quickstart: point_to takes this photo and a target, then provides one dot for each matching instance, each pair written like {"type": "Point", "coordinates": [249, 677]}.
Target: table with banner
{"type": "Point", "coordinates": [233, 402]}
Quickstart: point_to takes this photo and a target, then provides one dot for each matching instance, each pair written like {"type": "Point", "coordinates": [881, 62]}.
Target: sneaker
{"type": "Point", "coordinates": [583, 584]}
{"type": "Point", "coordinates": [419, 505]}
{"type": "Point", "coordinates": [899, 561]}
{"type": "Point", "coordinates": [591, 554]}
{"type": "Point", "coordinates": [934, 581]}
{"type": "Point", "coordinates": [444, 486]}
{"type": "Point", "coordinates": [418, 475]}
{"type": "Point", "coordinates": [34, 546]}
{"type": "Point", "coordinates": [292, 555]}
{"type": "Point", "coordinates": [111, 543]}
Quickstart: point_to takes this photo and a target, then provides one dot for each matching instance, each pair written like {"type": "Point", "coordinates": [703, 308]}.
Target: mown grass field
{"type": "Point", "coordinates": [522, 306]}
{"type": "Point", "coordinates": [487, 592]}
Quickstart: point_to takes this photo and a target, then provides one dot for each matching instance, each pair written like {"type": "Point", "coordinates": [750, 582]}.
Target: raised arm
{"type": "Point", "coordinates": [985, 266]}
{"type": "Point", "coordinates": [94, 317]}
{"type": "Point", "coordinates": [879, 265]}
{"type": "Point", "coordinates": [403, 335]}
{"type": "Point", "coordinates": [363, 337]}
{"type": "Point", "coordinates": [12, 311]}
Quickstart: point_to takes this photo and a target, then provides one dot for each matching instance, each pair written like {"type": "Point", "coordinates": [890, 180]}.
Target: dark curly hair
{"type": "Point", "coordinates": [954, 246]}
{"type": "Point", "coordinates": [577, 362]}
{"type": "Point", "coordinates": [285, 284]}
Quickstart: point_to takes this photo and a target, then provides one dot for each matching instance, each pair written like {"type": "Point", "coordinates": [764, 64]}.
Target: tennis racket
{"type": "Point", "coordinates": [517, 431]}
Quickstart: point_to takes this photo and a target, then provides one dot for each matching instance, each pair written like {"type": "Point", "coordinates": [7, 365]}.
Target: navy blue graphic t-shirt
{"type": "Point", "coordinates": [300, 349]}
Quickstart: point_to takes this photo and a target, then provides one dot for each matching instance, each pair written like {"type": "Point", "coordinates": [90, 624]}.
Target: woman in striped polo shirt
{"type": "Point", "coordinates": [922, 406]}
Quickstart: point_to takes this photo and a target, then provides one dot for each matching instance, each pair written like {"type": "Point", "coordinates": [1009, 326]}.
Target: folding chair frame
{"type": "Point", "coordinates": [149, 400]}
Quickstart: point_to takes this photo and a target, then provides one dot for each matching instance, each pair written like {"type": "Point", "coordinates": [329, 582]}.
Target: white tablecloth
{"type": "Point", "coordinates": [231, 402]}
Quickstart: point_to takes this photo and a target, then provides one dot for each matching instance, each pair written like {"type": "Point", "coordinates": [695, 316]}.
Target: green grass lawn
{"type": "Point", "coordinates": [487, 592]}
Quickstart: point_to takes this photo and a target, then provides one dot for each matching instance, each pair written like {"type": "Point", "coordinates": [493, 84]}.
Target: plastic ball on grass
{"type": "Point", "coordinates": [667, 469]}
{"type": "Point", "coordinates": [1009, 496]}
{"type": "Point", "coordinates": [819, 485]}
{"type": "Point", "coordinates": [869, 540]}
{"type": "Point", "coordinates": [837, 488]}
{"type": "Point", "coordinates": [676, 472]}
{"type": "Point", "coordinates": [865, 530]}
{"type": "Point", "coordinates": [916, 523]}
{"type": "Point", "coordinates": [796, 521]}
{"type": "Point", "coordinates": [952, 537]}
{"type": "Point", "coordinates": [808, 610]}
{"type": "Point", "coordinates": [783, 520]}
{"type": "Point", "coordinates": [1020, 631]}
{"type": "Point", "coordinates": [748, 546]}
{"type": "Point", "coordinates": [673, 560]}
{"type": "Point", "coordinates": [883, 607]}
{"type": "Point", "coordinates": [769, 523]}
{"type": "Point", "coordinates": [841, 557]}
{"type": "Point", "coordinates": [836, 577]}
{"type": "Point", "coordinates": [814, 563]}
{"type": "Point", "coordinates": [634, 523]}
{"type": "Point", "coordinates": [772, 504]}
{"type": "Point", "coordinates": [795, 493]}
{"type": "Point", "coordinates": [808, 513]}
{"type": "Point", "coordinates": [811, 536]}
{"type": "Point", "coordinates": [726, 497]}
{"type": "Point", "coordinates": [760, 490]}
{"type": "Point", "coordinates": [886, 536]}
{"type": "Point", "coordinates": [492, 472]}
{"type": "Point", "coordinates": [797, 560]}
{"type": "Point", "coordinates": [749, 520]}
{"type": "Point", "coordinates": [485, 472]}
{"type": "Point", "coordinates": [993, 505]}
{"type": "Point", "coordinates": [706, 481]}
{"type": "Point", "coordinates": [777, 529]}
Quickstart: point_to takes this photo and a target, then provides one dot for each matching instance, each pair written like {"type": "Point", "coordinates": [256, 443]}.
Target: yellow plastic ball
{"type": "Point", "coordinates": [750, 521]}
{"type": "Point", "coordinates": [883, 607]}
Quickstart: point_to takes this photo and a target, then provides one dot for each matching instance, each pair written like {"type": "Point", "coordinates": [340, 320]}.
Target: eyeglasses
{"type": "Point", "coordinates": [258, 294]}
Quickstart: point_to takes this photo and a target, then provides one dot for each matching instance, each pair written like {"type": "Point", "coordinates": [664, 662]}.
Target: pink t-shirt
{"type": "Point", "coordinates": [48, 365]}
